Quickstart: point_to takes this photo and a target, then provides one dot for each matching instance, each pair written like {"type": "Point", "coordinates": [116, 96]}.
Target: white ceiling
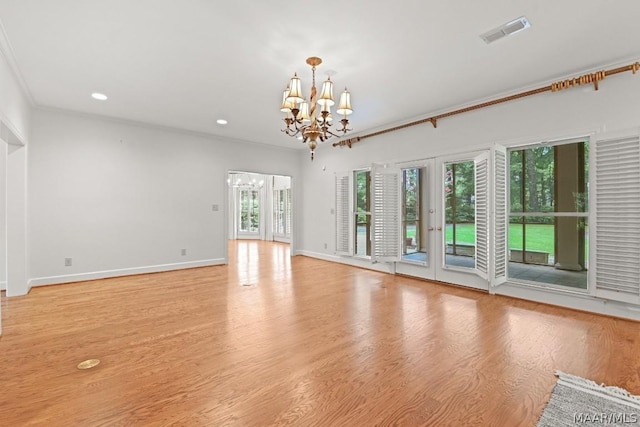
{"type": "Point", "coordinates": [184, 64]}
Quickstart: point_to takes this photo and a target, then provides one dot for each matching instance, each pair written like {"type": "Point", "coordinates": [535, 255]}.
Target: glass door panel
{"type": "Point", "coordinates": [460, 214]}
{"type": "Point", "coordinates": [249, 212]}
{"type": "Point", "coordinates": [362, 239]}
{"type": "Point", "coordinates": [414, 236]}
{"type": "Point", "coordinates": [463, 230]}
{"type": "Point", "coordinates": [418, 215]}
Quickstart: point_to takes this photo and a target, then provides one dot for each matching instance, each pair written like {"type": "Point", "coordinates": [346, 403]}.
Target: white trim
{"type": "Point", "coordinates": [383, 267]}
{"type": "Point", "coordinates": [81, 277]}
{"type": "Point", "coordinates": [7, 52]}
{"type": "Point", "coordinates": [569, 300]}
{"type": "Point", "coordinates": [226, 217]}
{"type": "Point", "coordinates": [248, 236]}
{"type": "Point", "coordinates": [554, 140]}
{"type": "Point", "coordinates": [3, 286]}
{"type": "Point", "coordinates": [320, 255]}
{"type": "Point", "coordinates": [8, 132]}
{"type": "Point", "coordinates": [281, 239]}
{"type": "Point", "coordinates": [163, 128]}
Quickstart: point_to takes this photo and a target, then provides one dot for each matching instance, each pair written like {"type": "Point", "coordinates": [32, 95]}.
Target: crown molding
{"type": "Point", "coordinates": [154, 126]}
{"type": "Point", "coordinates": [7, 52]}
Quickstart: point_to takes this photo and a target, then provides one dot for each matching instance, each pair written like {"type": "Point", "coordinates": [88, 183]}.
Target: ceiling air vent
{"type": "Point", "coordinates": [506, 30]}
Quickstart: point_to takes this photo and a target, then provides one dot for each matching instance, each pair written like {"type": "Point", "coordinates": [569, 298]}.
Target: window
{"type": "Point", "coordinates": [249, 211]}
{"type": "Point", "coordinates": [548, 217]}
{"type": "Point", "coordinates": [362, 212]}
{"type": "Point", "coordinates": [282, 212]}
{"type": "Point", "coordinates": [412, 232]}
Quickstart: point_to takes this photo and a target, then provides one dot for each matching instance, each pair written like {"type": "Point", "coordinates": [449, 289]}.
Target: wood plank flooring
{"type": "Point", "coordinates": [273, 341]}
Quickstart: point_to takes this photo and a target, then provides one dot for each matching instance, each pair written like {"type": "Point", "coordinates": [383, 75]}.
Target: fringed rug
{"type": "Point", "coordinates": [577, 401]}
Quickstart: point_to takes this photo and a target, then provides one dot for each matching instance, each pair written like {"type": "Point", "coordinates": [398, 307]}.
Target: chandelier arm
{"type": "Point", "coordinates": [328, 132]}
{"type": "Point", "coordinates": [290, 131]}
{"type": "Point", "coordinates": [301, 127]}
{"type": "Point", "coordinates": [344, 131]}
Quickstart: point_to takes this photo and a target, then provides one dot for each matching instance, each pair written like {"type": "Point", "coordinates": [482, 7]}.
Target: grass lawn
{"type": "Point", "coordinates": [539, 236]}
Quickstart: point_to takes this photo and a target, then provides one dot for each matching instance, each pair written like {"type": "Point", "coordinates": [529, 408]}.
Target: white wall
{"type": "Point", "coordinates": [119, 198]}
{"type": "Point", "coordinates": [574, 112]}
{"type": "Point", "coordinates": [3, 215]}
{"type": "Point", "coordinates": [548, 116]}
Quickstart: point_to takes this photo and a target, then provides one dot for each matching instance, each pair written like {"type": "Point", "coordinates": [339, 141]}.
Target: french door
{"type": "Point", "coordinates": [444, 220]}
{"type": "Point", "coordinates": [248, 211]}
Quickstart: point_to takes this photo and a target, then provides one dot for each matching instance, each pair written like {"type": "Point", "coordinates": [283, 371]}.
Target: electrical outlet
{"type": "Point", "coordinates": [215, 208]}
{"type": "Point", "coordinates": [183, 252]}
{"type": "Point", "coordinates": [325, 246]}
{"type": "Point", "coordinates": [68, 262]}
{"type": "Point", "coordinates": [332, 211]}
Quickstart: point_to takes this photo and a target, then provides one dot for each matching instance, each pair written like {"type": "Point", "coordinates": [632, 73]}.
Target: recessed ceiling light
{"type": "Point", "coordinates": [99, 96]}
{"type": "Point", "coordinates": [221, 122]}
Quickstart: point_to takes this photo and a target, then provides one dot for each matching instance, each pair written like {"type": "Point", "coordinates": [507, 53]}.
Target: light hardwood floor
{"type": "Point", "coordinates": [306, 343]}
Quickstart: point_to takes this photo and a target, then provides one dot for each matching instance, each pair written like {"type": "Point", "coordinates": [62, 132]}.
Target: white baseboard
{"type": "Point", "coordinates": [318, 255]}
{"type": "Point", "coordinates": [576, 301]}
{"type": "Point", "coordinates": [352, 261]}
{"type": "Point", "coordinates": [81, 277]}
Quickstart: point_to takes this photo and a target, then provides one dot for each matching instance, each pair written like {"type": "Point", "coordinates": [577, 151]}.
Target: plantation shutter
{"type": "Point", "coordinates": [617, 218]}
{"type": "Point", "coordinates": [287, 212]}
{"type": "Point", "coordinates": [482, 214]}
{"type": "Point", "coordinates": [343, 213]}
{"type": "Point", "coordinates": [500, 177]}
{"type": "Point", "coordinates": [385, 213]}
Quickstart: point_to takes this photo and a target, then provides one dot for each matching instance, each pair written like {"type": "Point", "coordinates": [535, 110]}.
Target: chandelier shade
{"type": "Point", "coordinates": [304, 111]}
{"type": "Point", "coordinates": [286, 106]}
{"type": "Point", "coordinates": [344, 106]}
{"type": "Point", "coordinates": [295, 90]}
{"type": "Point", "coordinates": [311, 121]}
{"type": "Point", "coordinates": [326, 94]}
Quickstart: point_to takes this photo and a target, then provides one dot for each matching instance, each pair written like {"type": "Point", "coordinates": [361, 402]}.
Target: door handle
{"type": "Point", "coordinates": [430, 228]}
{"type": "Point", "coordinates": [439, 228]}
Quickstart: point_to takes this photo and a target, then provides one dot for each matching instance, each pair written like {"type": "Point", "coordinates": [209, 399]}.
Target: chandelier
{"type": "Point", "coordinates": [301, 118]}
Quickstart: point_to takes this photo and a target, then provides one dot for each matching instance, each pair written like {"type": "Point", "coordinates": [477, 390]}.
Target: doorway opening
{"type": "Point", "coordinates": [260, 207]}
